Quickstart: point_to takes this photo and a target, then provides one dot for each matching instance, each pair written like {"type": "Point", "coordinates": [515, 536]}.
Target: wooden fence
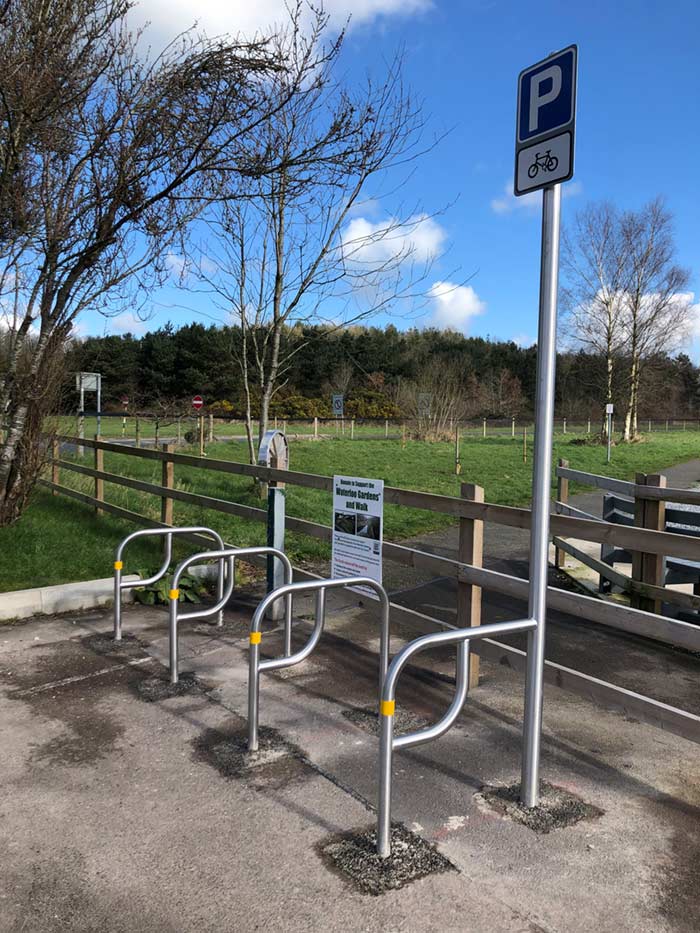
{"type": "Point", "coordinates": [649, 493]}
{"type": "Point", "coordinates": [467, 570]}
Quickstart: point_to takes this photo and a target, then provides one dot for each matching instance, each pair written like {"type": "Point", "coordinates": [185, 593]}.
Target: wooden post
{"type": "Point", "coordinates": [275, 422]}
{"type": "Point", "coordinates": [211, 428]}
{"type": "Point", "coordinates": [525, 444]}
{"type": "Point", "coordinates": [201, 435]}
{"type": "Point", "coordinates": [352, 429]}
{"type": "Point", "coordinates": [386, 427]}
{"type": "Point", "coordinates": [99, 483]}
{"type": "Point", "coordinates": [588, 429]}
{"type": "Point", "coordinates": [284, 426]}
{"type": "Point", "coordinates": [667, 424]}
{"type": "Point", "coordinates": [484, 427]}
{"type": "Point", "coordinates": [179, 431]}
{"type": "Point", "coordinates": [648, 568]}
{"type": "Point", "coordinates": [55, 454]}
{"type": "Point", "coordinates": [403, 436]}
{"type": "Point", "coordinates": [564, 426]}
{"type": "Point", "coordinates": [650, 425]}
{"type": "Point", "coordinates": [458, 462]}
{"type": "Point", "coordinates": [316, 427]}
{"type": "Point", "coordinates": [138, 432]}
{"type": "Point", "coordinates": [562, 496]}
{"type": "Point", "coordinates": [471, 551]}
{"type": "Point", "coordinates": [168, 480]}
{"type": "Point", "coordinates": [512, 427]}
{"type": "Point", "coordinates": [156, 433]}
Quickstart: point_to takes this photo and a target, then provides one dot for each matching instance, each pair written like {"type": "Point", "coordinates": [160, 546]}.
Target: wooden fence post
{"type": "Point", "coordinates": [458, 462]}
{"type": "Point", "coordinates": [352, 429]}
{"type": "Point", "coordinates": [562, 496]}
{"type": "Point", "coordinates": [386, 427]}
{"type": "Point", "coordinates": [525, 444]}
{"type": "Point", "coordinates": [512, 427]}
{"type": "Point", "coordinates": [316, 427]}
{"type": "Point", "coordinates": [138, 432]}
{"type": "Point", "coordinates": [55, 454]}
{"type": "Point", "coordinates": [484, 427]}
{"type": "Point", "coordinates": [471, 551]}
{"type": "Point", "coordinates": [648, 568]}
{"type": "Point", "coordinates": [156, 434]}
{"type": "Point", "coordinates": [403, 435]}
{"type": "Point", "coordinates": [211, 428]}
{"type": "Point", "coordinates": [168, 480]}
{"type": "Point", "coordinates": [201, 435]}
{"type": "Point", "coordinates": [99, 483]}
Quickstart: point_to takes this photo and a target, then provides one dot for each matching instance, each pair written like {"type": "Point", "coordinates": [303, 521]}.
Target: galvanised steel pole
{"type": "Point", "coordinates": [541, 492]}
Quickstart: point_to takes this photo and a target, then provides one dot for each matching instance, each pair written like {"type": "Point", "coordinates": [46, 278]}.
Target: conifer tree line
{"type": "Point", "coordinates": [374, 368]}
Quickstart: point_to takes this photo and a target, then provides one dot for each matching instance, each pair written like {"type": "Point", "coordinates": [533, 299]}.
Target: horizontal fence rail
{"type": "Point", "coordinates": [584, 608]}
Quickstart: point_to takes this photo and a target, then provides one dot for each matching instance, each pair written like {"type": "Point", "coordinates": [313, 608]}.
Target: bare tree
{"type": "Point", "coordinates": [435, 401]}
{"type": "Point", "coordinates": [105, 156]}
{"type": "Point", "coordinates": [595, 272]}
{"type": "Point", "coordinates": [290, 254]}
{"type": "Point", "coordinates": [657, 308]}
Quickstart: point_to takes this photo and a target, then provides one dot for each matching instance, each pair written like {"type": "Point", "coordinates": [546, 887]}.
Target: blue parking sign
{"type": "Point", "coordinates": [545, 122]}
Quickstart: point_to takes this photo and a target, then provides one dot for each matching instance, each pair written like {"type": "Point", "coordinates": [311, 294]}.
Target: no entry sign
{"type": "Point", "coordinates": [197, 402]}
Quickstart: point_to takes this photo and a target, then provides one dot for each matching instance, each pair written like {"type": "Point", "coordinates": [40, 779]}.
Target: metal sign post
{"type": "Point", "coordinates": [544, 153]}
{"type": "Point", "coordinates": [88, 382]}
{"type": "Point", "coordinates": [609, 414]}
{"type": "Point", "coordinates": [338, 403]}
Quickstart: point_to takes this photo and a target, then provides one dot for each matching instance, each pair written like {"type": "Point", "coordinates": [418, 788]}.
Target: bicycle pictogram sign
{"type": "Point", "coordinates": [544, 162]}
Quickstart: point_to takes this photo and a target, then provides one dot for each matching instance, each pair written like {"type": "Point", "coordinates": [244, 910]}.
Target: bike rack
{"type": "Point", "coordinates": [290, 590]}
{"type": "Point", "coordinates": [225, 556]}
{"type": "Point", "coordinates": [387, 706]}
{"type": "Point", "coordinates": [168, 533]}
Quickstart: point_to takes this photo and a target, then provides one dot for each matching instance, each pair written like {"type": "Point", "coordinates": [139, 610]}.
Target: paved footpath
{"type": "Point", "coordinates": [124, 809]}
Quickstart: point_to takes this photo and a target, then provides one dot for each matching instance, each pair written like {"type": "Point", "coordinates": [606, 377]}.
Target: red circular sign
{"type": "Point", "coordinates": [197, 402]}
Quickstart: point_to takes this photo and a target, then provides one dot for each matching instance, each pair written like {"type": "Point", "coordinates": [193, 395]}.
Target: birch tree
{"type": "Point", "coordinates": [294, 252]}
{"type": "Point", "coordinates": [105, 156]}
{"type": "Point", "coordinates": [595, 272]}
{"type": "Point", "coordinates": [657, 308]}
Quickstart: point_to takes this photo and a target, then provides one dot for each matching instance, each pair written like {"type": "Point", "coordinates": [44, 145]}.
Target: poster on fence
{"type": "Point", "coordinates": [358, 507]}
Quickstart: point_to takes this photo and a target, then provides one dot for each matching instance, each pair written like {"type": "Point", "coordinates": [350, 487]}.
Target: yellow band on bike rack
{"type": "Point", "coordinates": [174, 594]}
{"type": "Point", "coordinates": [255, 638]}
{"type": "Point", "coordinates": [387, 707]}
{"type": "Point", "coordinates": [118, 565]}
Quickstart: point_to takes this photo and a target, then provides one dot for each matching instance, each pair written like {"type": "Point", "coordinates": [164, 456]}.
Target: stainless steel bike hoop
{"type": "Point", "coordinates": [229, 556]}
{"type": "Point", "coordinates": [256, 666]}
{"type": "Point", "coordinates": [387, 707]}
{"type": "Point", "coordinates": [120, 584]}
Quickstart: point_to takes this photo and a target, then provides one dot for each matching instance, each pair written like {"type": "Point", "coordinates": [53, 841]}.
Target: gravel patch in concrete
{"type": "Point", "coordinates": [231, 627]}
{"type": "Point", "coordinates": [367, 719]}
{"type": "Point", "coordinates": [156, 688]}
{"type": "Point", "coordinates": [103, 643]}
{"type": "Point", "coordinates": [274, 764]}
{"type": "Point", "coordinates": [354, 857]}
{"type": "Point", "coordinates": [557, 808]}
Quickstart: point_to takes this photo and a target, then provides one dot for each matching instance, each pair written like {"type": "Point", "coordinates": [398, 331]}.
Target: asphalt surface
{"type": "Point", "coordinates": [125, 809]}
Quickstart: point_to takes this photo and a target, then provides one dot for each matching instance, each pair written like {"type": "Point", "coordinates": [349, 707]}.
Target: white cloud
{"type": "Point", "coordinates": [524, 340]}
{"type": "Point", "coordinates": [419, 239]}
{"type": "Point", "coordinates": [454, 305]}
{"type": "Point", "coordinates": [216, 17]}
{"type": "Point", "coordinates": [507, 202]}
{"type": "Point", "coordinates": [126, 323]}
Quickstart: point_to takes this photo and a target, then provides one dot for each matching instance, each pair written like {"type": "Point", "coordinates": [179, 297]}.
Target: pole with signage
{"type": "Point", "coordinates": [609, 409]}
{"type": "Point", "coordinates": [197, 403]}
{"type": "Point", "coordinates": [544, 157]}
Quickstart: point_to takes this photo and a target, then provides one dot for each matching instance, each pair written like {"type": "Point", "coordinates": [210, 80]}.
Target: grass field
{"type": "Point", "coordinates": [59, 540]}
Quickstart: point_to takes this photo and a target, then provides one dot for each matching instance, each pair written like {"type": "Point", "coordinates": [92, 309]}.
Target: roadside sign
{"type": "Point", "coordinates": [125, 401]}
{"type": "Point", "coordinates": [338, 406]}
{"type": "Point", "coordinates": [86, 382]}
{"type": "Point", "coordinates": [609, 409]}
{"type": "Point", "coordinates": [197, 402]}
{"type": "Point", "coordinates": [545, 122]}
{"type": "Point", "coordinates": [424, 404]}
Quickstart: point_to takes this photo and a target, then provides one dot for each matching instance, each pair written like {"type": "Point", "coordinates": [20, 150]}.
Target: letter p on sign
{"type": "Point", "coordinates": [539, 97]}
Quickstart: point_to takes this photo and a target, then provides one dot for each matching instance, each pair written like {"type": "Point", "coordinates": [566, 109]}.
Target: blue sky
{"type": "Point", "coordinates": [638, 132]}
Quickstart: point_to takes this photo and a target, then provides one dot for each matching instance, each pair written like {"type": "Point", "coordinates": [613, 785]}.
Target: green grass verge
{"type": "Point", "coordinates": [59, 540]}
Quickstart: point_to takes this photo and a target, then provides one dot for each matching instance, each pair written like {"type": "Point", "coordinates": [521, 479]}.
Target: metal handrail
{"type": "Point", "coordinates": [319, 587]}
{"type": "Point", "coordinates": [387, 707]}
{"type": "Point", "coordinates": [228, 556]}
{"type": "Point", "coordinates": [168, 533]}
